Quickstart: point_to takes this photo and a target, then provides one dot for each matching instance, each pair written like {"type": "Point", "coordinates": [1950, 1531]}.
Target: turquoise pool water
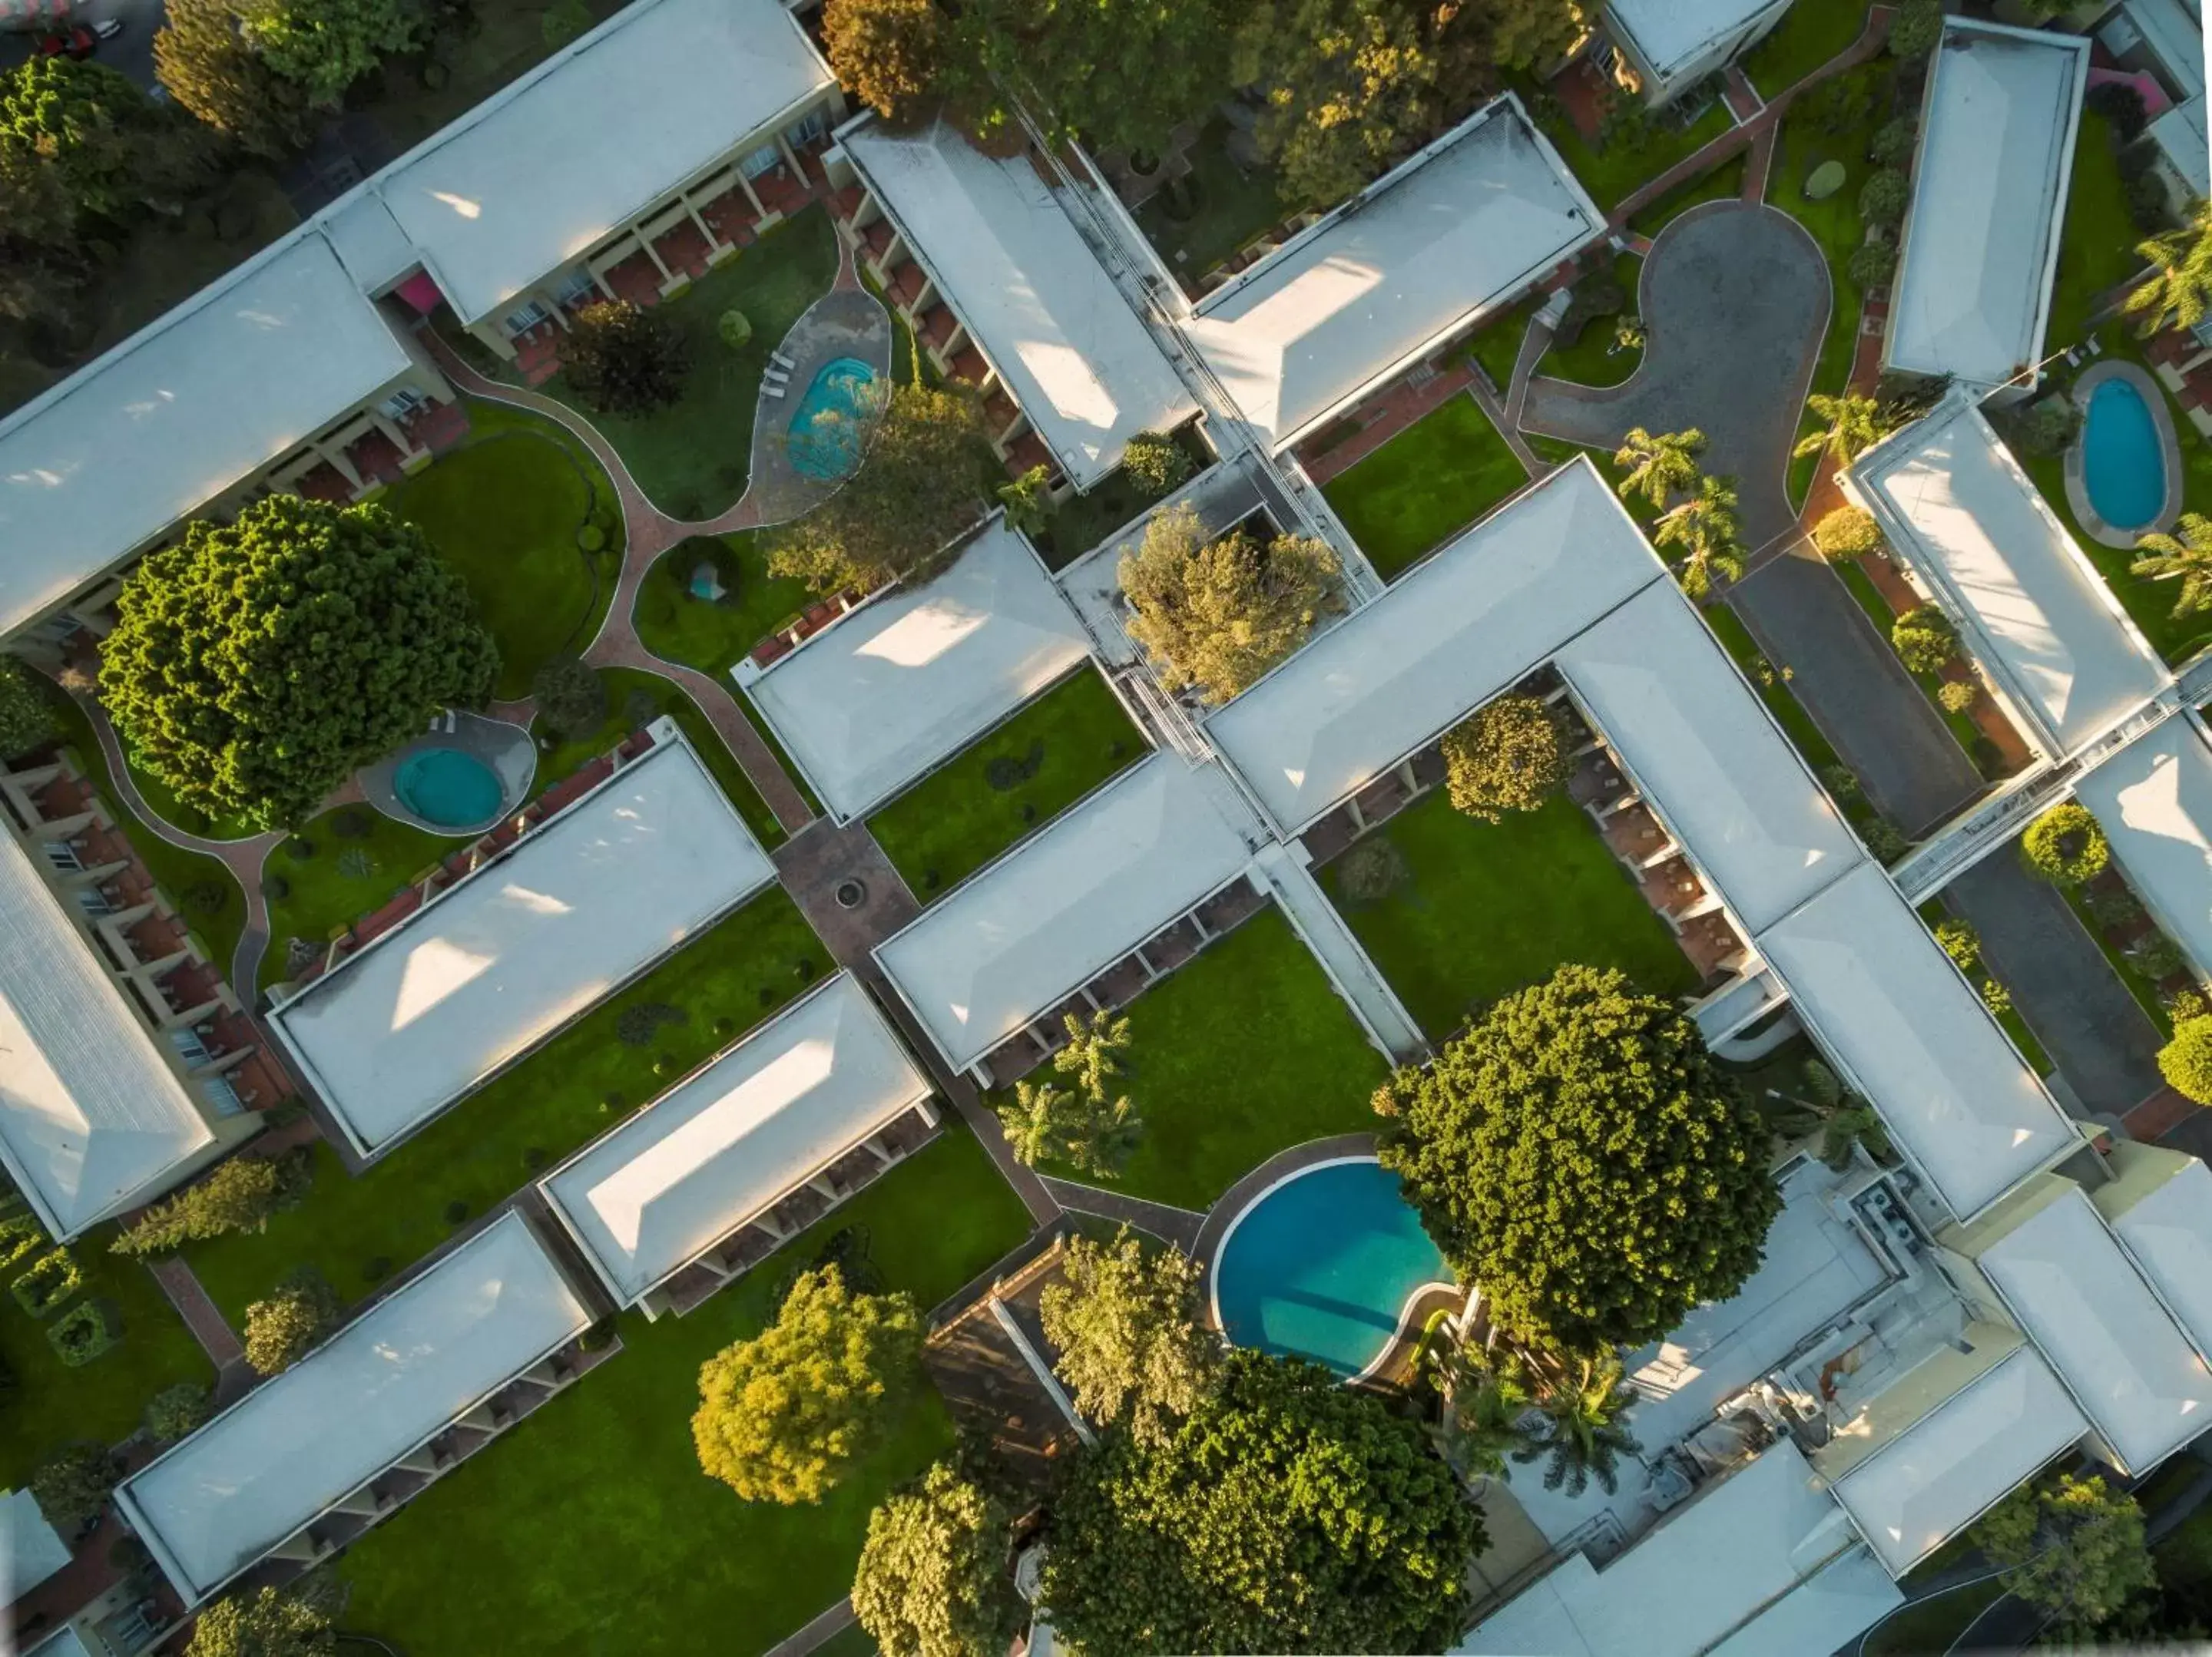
{"type": "Point", "coordinates": [1322, 1266]}
{"type": "Point", "coordinates": [825, 427]}
{"type": "Point", "coordinates": [2123, 462]}
{"type": "Point", "coordinates": [449, 788]}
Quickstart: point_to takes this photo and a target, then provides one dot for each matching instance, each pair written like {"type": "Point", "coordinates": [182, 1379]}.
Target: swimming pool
{"type": "Point", "coordinates": [449, 788]}
{"type": "Point", "coordinates": [2122, 459]}
{"type": "Point", "coordinates": [1321, 1265]}
{"type": "Point", "coordinates": [826, 428]}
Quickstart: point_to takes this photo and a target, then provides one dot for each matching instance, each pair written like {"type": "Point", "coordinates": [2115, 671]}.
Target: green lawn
{"type": "Point", "coordinates": [1061, 747]}
{"type": "Point", "coordinates": [713, 635]}
{"type": "Point", "coordinates": [1810, 33]}
{"type": "Point", "coordinates": [345, 879]}
{"type": "Point", "coordinates": [1612, 174]}
{"type": "Point", "coordinates": [1441, 473]}
{"type": "Point", "coordinates": [199, 885]}
{"type": "Point", "coordinates": [53, 1403]}
{"type": "Point", "coordinates": [1245, 1052]}
{"type": "Point", "coordinates": [1082, 521]}
{"type": "Point", "coordinates": [1497, 347]}
{"type": "Point", "coordinates": [506, 510]}
{"type": "Point", "coordinates": [1591, 360]}
{"type": "Point", "coordinates": [1490, 908]}
{"type": "Point", "coordinates": [161, 800]}
{"type": "Point", "coordinates": [1232, 207]}
{"type": "Point", "coordinates": [590, 1528]}
{"type": "Point", "coordinates": [693, 457]}
{"type": "Point", "coordinates": [2097, 250]}
{"type": "Point", "coordinates": [1723, 182]}
{"type": "Point", "coordinates": [735, 974]}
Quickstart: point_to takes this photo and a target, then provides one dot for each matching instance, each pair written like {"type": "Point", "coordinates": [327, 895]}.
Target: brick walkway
{"type": "Point", "coordinates": [1384, 417]}
{"type": "Point", "coordinates": [198, 1310]}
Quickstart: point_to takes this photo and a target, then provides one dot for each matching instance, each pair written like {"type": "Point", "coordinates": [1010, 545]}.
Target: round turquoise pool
{"type": "Point", "coordinates": [449, 788]}
{"type": "Point", "coordinates": [1320, 1267]}
{"type": "Point", "coordinates": [2122, 459]}
{"type": "Point", "coordinates": [828, 425]}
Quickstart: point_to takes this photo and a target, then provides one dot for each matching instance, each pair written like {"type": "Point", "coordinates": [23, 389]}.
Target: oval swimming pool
{"type": "Point", "coordinates": [826, 428]}
{"type": "Point", "coordinates": [448, 786]}
{"type": "Point", "coordinates": [2123, 461]}
{"type": "Point", "coordinates": [1321, 1265]}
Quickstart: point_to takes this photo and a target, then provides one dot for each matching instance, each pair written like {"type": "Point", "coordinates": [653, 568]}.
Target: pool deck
{"type": "Point", "coordinates": [2077, 488]}
{"type": "Point", "coordinates": [843, 323]}
{"type": "Point", "coordinates": [507, 749]}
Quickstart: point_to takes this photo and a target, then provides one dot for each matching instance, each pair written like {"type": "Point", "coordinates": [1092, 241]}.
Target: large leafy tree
{"type": "Point", "coordinates": [1218, 614]}
{"type": "Point", "coordinates": [298, 1621]}
{"type": "Point", "coordinates": [1350, 85]}
{"type": "Point", "coordinates": [2177, 293]}
{"type": "Point", "coordinates": [1510, 755]}
{"type": "Point", "coordinates": [902, 515]}
{"type": "Point", "coordinates": [933, 1579]}
{"type": "Point", "coordinates": [1095, 1133]}
{"type": "Point", "coordinates": [1528, 33]}
{"type": "Point", "coordinates": [782, 1416]}
{"type": "Point", "coordinates": [1581, 1155]}
{"type": "Point", "coordinates": [1286, 1514]}
{"type": "Point", "coordinates": [623, 358]}
{"type": "Point", "coordinates": [2184, 558]}
{"type": "Point", "coordinates": [1133, 1348]}
{"type": "Point", "coordinates": [2186, 1061]}
{"type": "Point", "coordinates": [71, 1485]}
{"type": "Point", "coordinates": [26, 721]}
{"type": "Point", "coordinates": [2072, 1548]}
{"type": "Point", "coordinates": [324, 46]}
{"type": "Point", "coordinates": [103, 140]}
{"type": "Point", "coordinates": [299, 1314]}
{"type": "Point", "coordinates": [240, 1195]}
{"type": "Point", "coordinates": [202, 57]}
{"type": "Point", "coordinates": [887, 53]}
{"type": "Point", "coordinates": [255, 665]}
{"type": "Point", "coordinates": [1119, 74]}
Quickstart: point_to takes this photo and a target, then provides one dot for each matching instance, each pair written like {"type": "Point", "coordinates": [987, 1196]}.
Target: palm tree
{"type": "Point", "coordinates": [2179, 291]}
{"type": "Point", "coordinates": [1853, 1123]}
{"type": "Point", "coordinates": [1034, 1121]}
{"type": "Point", "coordinates": [1090, 1053]}
{"type": "Point", "coordinates": [1850, 425]}
{"type": "Point", "coordinates": [2186, 558]}
{"type": "Point", "coordinates": [1704, 528]}
{"type": "Point", "coordinates": [1657, 467]}
{"type": "Point", "coordinates": [1579, 1435]}
{"type": "Point", "coordinates": [1844, 1119]}
{"type": "Point", "coordinates": [1486, 1413]}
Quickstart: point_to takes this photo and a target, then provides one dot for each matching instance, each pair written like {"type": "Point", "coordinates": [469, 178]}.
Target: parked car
{"type": "Point", "coordinates": [108, 28]}
{"type": "Point", "coordinates": [77, 42]}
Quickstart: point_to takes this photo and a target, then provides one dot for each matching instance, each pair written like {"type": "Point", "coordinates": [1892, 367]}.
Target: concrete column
{"type": "Point", "coordinates": [362, 1503]}
{"type": "Point", "coordinates": [385, 423]}
{"type": "Point", "coordinates": [425, 1461]}
{"type": "Point", "coordinates": [820, 1183]}
{"type": "Point", "coordinates": [338, 458]}
{"type": "Point", "coordinates": [875, 1149]}
{"type": "Point", "coordinates": [300, 1545]}
{"type": "Point", "coordinates": [927, 1111]}
{"type": "Point", "coordinates": [714, 241]}
{"type": "Point", "coordinates": [652, 253]}
{"type": "Point", "coordinates": [486, 1418]}
{"type": "Point", "coordinates": [751, 195]}
{"type": "Point", "coordinates": [767, 1224]}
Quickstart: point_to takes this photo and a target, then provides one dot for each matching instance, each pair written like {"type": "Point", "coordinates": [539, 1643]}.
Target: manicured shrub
{"type": "Point", "coordinates": [1957, 695]}
{"type": "Point", "coordinates": [1882, 198]}
{"type": "Point", "coordinates": [298, 1315]}
{"type": "Point", "coordinates": [2065, 846]}
{"type": "Point", "coordinates": [355, 864]}
{"type": "Point", "coordinates": [20, 1236]}
{"type": "Point", "coordinates": [457, 1212]}
{"type": "Point", "coordinates": [48, 1281]}
{"type": "Point", "coordinates": [1509, 755]}
{"type": "Point", "coordinates": [1873, 264]}
{"type": "Point", "coordinates": [591, 538]}
{"type": "Point", "coordinates": [26, 721]}
{"type": "Point", "coordinates": [1892, 144]}
{"type": "Point", "coordinates": [2147, 202]}
{"type": "Point", "coordinates": [2155, 957]}
{"type": "Point", "coordinates": [276, 888]}
{"type": "Point", "coordinates": [1961, 942]}
{"type": "Point", "coordinates": [637, 1025]}
{"type": "Point", "coordinates": [735, 328]}
{"type": "Point", "coordinates": [2122, 105]}
{"type": "Point", "coordinates": [1996, 997]}
{"type": "Point", "coordinates": [1841, 782]}
{"type": "Point", "coordinates": [1156, 463]}
{"type": "Point", "coordinates": [572, 697]}
{"type": "Point", "coordinates": [2115, 908]}
{"type": "Point", "coordinates": [353, 823]}
{"type": "Point", "coordinates": [1372, 870]}
{"type": "Point", "coordinates": [1924, 638]}
{"type": "Point", "coordinates": [1847, 532]}
{"type": "Point", "coordinates": [83, 1333]}
{"type": "Point", "coordinates": [2186, 1061]}
{"type": "Point", "coordinates": [1914, 31]}
{"type": "Point", "coordinates": [2049, 426]}
{"type": "Point", "coordinates": [1883, 843]}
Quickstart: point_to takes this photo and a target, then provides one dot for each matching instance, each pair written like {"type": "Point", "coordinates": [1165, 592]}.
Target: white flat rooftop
{"type": "Point", "coordinates": [1885, 1000]}
{"type": "Point", "coordinates": [2180, 136]}
{"type": "Point", "coordinates": [91, 1115]}
{"type": "Point", "coordinates": [990, 234]}
{"type": "Point", "coordinates": [431, 1010]}
{"type": "Point", "coordinates": [1988, 201]}
{"type": "Point", "coordinates": [1700, 746]}
{"type": "Point", "coordinates": [218, 388]}
{"type": "Point", "coordinates": [2154, 800]}
{"type": "Point", "coordinates": [2168, 1233]}
{"type": "Point", "coordinates": [1670, 33]}
{"type": "Point", "coordinates": [389, 1381]}
{"type": "Point", "coordinates": [1707, 1571]}
{"type": "Point", "coordinates": [734, 1140]}
{"type": "Point", "coordinates": [1019, 936]}
{"type": "Point", "coordinates": [2119, 1351]}
{"type": "Point", "coordinates": [544, 171]}
{"type": "Point", "coordinates": [1464, 226]}
{"type": "Point", "coordinates": [1468, 624]}
{"type": "Point", "coordinates": [909, 680]}
{"type": "Point", "coordinates": [1952, 498]}
{"type": "Point", "coordinates": [1949, 1467]}
{"type": "Point", "coordinates": [31, 1550]}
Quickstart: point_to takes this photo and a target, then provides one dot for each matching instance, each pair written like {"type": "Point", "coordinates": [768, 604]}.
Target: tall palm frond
{"type": "Point", "coordinates": [1850, 425]}
{"type": "Point", "coordinates": [1704, 528]}
{"type": "Point", "coordinates": [1658, 467]}
{"type": "Point", "coordinates": [1486, 1413]}
{"type": "Point", "coordinates": [2186, 558]}
{"type": "Point", "coordinates": [1580, 1432]}
{"type": "Point", "coordinates": [2178, 294]}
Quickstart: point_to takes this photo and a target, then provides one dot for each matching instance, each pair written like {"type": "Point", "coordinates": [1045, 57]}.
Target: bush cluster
{"type": "Point", "coordinates": [2066, 846]}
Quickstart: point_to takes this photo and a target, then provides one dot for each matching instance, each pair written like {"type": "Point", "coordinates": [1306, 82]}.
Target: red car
{"type": "Point", "coordinates": [77, 43]}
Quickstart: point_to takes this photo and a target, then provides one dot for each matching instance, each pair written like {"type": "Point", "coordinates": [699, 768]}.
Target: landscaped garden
{"type": "Point", "coordinates": [530, 520]}
{"type": "Point", "coordinates": [1440, 474]}
{"type": "Point", "coordinates": [1806, 37]}
{"type": "Point", "coordinates": [679, 623]}
{"type": "Point", "coordinates": [1081, 521]}
{"type": "Point", "coordinates": [590, 1527]}
{"type": "Point", "coordinates": [1723, 182]}
{"type": "Point", "coordinates": [693, 457]}
{"type": "Point", "coordinates": [2097, 248]}
{"type": "Point", "coordinates": [1008, 785]}
{"type": "Point", "coordinates": [625, 1051]}
{"type": "Point", "coordinates": [1612, 170]}
{"type": "Point", "coordinates": [1215, 210]}
{"type": "Point", "coordinates": [1486, 909]}
{"type": "Point", "coordinates": [1245, 1052]}
{"type": "Point", "coordinates": [1979, 749]}
{"type": "Point", "coordinates": [340, 866]}
{"type": "Point", "coordinates": [1596, 357]}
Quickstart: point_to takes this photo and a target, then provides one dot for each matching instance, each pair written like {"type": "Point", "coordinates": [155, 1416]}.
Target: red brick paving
{"type": "Point", "coordinates": [1384, 417]}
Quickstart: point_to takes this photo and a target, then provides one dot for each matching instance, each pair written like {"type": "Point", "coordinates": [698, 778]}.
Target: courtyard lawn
{"type": "Point", "coordinates": [1082, 521]}
{"type": "Point", "coordinates": [1591, 360]}
{"type": "Point", "coordinates": [506, 510]}
{"type": "Point", "coordinates": [693, 457]}
{"type": "Point", "coordinates": [1245, 1052]}
{"type": "Point", "coordinates": [713, 635]}
{"type": "Point", "coordinates": [1723, 182]}
{"type": "Point", "coordinates": [53, 1405]}
{"type": "Point", "coordinates": [357, 1231]}
{"type": "Point", "coordinates": [1806, 37]}
{"type": "Point", "coordinates": [203, 888]}
{"type": "Point", "coordinates": [1497, 347]}
{"type": "Point", "coordinates": [1438, 475]}
{"type": "Point", "coordinates": [2096, 250]}
{"type": "Point", "coordinates": [348, 875]}
{"type": "Point", "coordinates": [591, 1528]}
{"type": "Point", "coordinates": [1491, 908]}
{"type": "Point", "coordinates": [1232, 206]}
{"type": "Point", "coordinates": [1006, 787]}
{"type": "Point", "coordinates": [1612, 173]}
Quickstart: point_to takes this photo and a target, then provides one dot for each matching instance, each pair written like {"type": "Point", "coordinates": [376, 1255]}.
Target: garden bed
{"type": "Point", "coordinates": [1232, 207]}
{"type": "Point", "coordinates": [361, 859]}
{"type": "Point", "coordinates": [715, 635]}
{"type": "Point", "coordinates": [1434, 477]}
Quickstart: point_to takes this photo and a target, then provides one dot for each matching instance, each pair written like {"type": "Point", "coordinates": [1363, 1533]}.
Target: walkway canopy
{"type": "Point", "coordinates": [2154, 801]}
{"type": "Point", "coordinates": [735, 1139]}
{"type": "Point", "coordinates": [2033, 609]}
{"type": "Point", "coordinates": [1884, 999]}
{"type": "Point", "coordinates": [565, 917]}
{"type": "Point", "coordinates": [384, 1386]}
{"type": "Point", "coordinates": [1470, 621]}
{"type": "Point", "coordinates": [1458, 230]}
{"type": "Point", "coordinates": [915, 676]}
{"type": "Point", "coordinates": [994, 241]}
{"type": "Point", "coordinates": [1988, 202]}
{"type": "Point", "coordinates": [92, 1120]}
{"type": "Point", "coordinates": [1016, 940]}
